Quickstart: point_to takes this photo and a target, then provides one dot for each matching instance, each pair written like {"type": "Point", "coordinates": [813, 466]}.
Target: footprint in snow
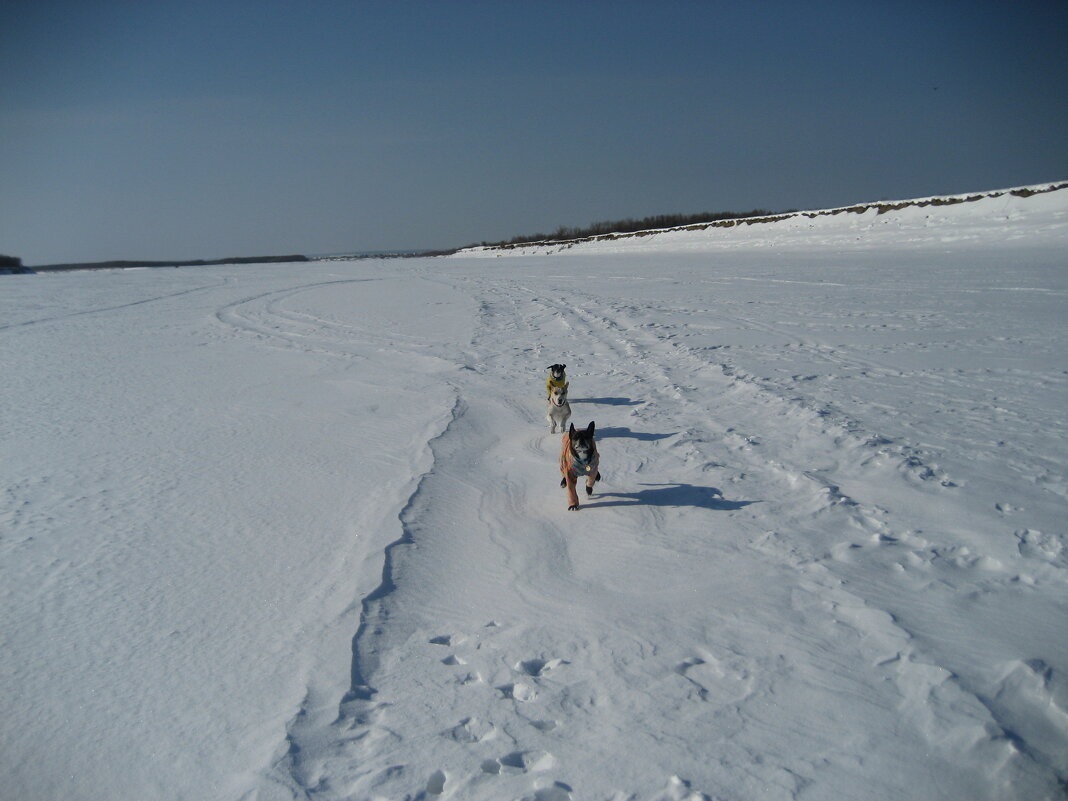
{"type": "Point", "coordinates": [1033, 544]}
{"type": "Point", "coordinates": [520, 762]}
{"type": "Point", "coordinates": [538, 667]}
{"type": "Point", "coordinates": [679, 790]}
{"type": "Point", "coordinates": [557, 792]}
{"type": "Point", "coordinates": [436, 784]}
{"type": "Point", "coordinates": [716, 681]}
{"type": "Point", "coordinates": [447, 640]}
{"type": "Point", "coordinates": [519, 691]}
{"type": "Point", "coordinates": [472, 730]}
{"type": "Point", "coordinates": [1032, 699]}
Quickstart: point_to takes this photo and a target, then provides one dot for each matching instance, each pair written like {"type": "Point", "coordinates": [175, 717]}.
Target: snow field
{"type": "Point", "coordinates": [283, 533]}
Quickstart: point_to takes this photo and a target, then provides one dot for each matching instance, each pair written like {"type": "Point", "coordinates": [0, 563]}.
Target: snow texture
{"type": "Point", "coordinates": [286, 532]}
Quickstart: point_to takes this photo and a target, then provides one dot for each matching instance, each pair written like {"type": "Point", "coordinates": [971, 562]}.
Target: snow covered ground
{"type": "Point", "coordinates": [295, 531]}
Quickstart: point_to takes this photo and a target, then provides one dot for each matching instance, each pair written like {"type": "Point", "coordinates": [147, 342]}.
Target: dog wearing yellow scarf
{"type": "Point", "coordinates": [557, 378]}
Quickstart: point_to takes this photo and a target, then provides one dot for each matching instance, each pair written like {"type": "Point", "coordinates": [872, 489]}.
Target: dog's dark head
{"type": "Point", "coordinates": [582, 442]}
{"type": "Point", "coordinates": [556, 371]}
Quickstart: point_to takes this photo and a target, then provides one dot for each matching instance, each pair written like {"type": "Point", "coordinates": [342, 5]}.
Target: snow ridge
{"type": "Point", "coordinates": [372, 618]}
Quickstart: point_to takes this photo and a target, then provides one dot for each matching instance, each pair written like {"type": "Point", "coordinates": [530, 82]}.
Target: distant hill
{"type": "Point", "coordinates": [626, 229]}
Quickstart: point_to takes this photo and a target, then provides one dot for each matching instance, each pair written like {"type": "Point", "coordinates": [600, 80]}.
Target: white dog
{"type": "Point", "coordinates": [559, 409]}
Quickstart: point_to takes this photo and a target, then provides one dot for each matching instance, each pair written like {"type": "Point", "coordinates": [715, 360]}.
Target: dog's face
{"type": "Point", "coordinates": [581, 442]}
{"type": "Point", "coordinates": [556, 371]}
{"type": "Point", "coordinates": [558, 396]}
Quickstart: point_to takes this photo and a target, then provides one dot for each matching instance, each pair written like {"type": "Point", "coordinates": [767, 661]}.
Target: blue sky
{"type": "Point", "coordinates": [179, 130]}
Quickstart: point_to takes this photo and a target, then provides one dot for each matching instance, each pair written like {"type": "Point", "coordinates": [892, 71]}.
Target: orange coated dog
{"type": "Point", "coordinates": [579, 458]}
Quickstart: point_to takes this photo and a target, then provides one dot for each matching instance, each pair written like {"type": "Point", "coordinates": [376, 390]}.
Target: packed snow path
{"type": "Point", "coordinates": [282, 532]}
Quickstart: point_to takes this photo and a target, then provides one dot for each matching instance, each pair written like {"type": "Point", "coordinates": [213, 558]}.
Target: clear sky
{"type": "Point", "coordinates": [164, 129]}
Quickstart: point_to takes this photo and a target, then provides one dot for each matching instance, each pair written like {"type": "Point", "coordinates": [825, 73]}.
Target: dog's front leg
{"type": "Point", "coordinates": [590, 481]}
{"type": "Point", "coordinates": [572, 493]}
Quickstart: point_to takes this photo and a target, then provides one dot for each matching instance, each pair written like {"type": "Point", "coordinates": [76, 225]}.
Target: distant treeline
{"type": "Point", "coordinates": [629, 226]}
{"type": "Point", "coordinates": [11, 264]}
{"type": "Point", "coordinates": [118, 265]}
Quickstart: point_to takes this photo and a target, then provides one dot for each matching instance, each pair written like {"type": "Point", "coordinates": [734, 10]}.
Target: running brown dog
{"type": "Point", "coordinates": [579, 457]}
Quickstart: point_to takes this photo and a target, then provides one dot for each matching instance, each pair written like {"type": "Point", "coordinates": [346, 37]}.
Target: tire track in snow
{"type": "Point", "coordinates": [914, 667]}
{"type": "Point", "coordinates": [258, 316]}
{"type": "Point", "coordinates": [502, 517]}
{"type": "Point", "coordinates": [265, 319]}
{"type": "Point", "coordinates": [492, 673]}
{"type": "Point", "coordinates": [105, 309]}
{"type": "Point", "coordinates": [660, 359]}
{"type": "Point", "coordinates": [647, 361]}
{"type": "Point", "coordinates": [499, 722]}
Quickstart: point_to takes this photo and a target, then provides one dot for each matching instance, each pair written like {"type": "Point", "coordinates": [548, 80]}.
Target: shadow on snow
{"type": "Point", "coordinates": [607, 401]}
{"type": "Point", "coordinates": [671, 495]}
{"type": "Point", "coordinates": [623, 431]}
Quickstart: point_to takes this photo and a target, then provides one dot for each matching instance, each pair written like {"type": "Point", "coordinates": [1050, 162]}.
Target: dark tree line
{"type": "Point", "coordinates": [629, 226]}
{"type": "Point", "coordinates": [11, 264]}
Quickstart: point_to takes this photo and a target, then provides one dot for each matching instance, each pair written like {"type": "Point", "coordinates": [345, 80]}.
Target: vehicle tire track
{"type": "Point", "coordinates": [105, 309]}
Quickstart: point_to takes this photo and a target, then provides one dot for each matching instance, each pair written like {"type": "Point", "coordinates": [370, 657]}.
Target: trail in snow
{"type": "Point", "coordinates": [633, 635]}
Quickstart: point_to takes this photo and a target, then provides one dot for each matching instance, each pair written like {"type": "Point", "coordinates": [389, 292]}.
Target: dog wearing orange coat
{"type": "Point", "coordinates": [579, 459]}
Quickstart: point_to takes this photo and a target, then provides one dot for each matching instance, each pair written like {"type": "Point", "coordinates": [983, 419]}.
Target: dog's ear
{"type": "Point", "coordinates": [571, 431]}
{"type": "Point", "coordinates": [563, 366]}
{"type": "Point", "coordinates": [589, 429]}
{"type": "Point", "coordinates": [567, 384]}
